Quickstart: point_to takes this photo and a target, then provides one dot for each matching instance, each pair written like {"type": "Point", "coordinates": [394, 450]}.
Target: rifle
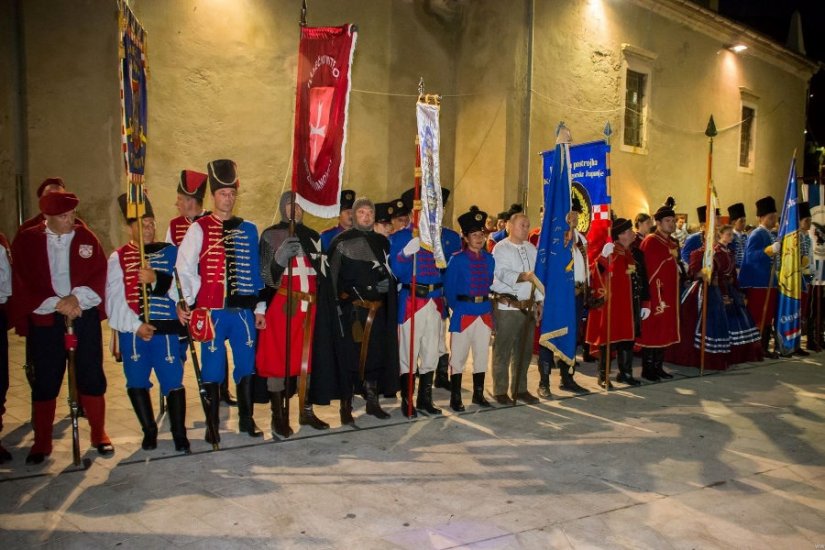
{"type": "Point", "coordinates": [210, 428]}
{"type": "Point", "coordinates": [71, 350]}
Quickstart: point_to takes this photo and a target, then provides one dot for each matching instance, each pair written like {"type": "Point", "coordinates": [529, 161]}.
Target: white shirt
{"type": "Point", "coordinates": [58, 248]}
{"type": "Point", "coordinates": [511, 261]}
{"type": "Point", "coordinates": [580, 274]}
{"type": "Point", "coordinates": [5, 275]}
{"type": "Point", "coordinates": [121, 317]}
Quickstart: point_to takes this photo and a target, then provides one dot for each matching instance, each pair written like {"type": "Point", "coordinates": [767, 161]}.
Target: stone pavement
{"type": "Point", "coordinates": [730, 460]}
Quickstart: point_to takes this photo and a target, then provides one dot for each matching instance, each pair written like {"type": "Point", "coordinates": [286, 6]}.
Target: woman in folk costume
{"type": "Point", "coordinates": [626, 303]}
{"type": "Point", "coordinates": [731, 336]}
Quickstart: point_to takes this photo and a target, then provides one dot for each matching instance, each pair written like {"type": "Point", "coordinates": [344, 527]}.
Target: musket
{"type": "Point", "coordinates": [71, 352]}
{"type": "Point", "coordinates": [205, 401]}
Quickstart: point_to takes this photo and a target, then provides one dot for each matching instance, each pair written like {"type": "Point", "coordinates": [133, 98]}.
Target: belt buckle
{"type": "Point", "coordinates": [478, 299]}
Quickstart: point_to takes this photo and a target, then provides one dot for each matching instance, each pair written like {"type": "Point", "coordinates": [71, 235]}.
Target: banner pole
{"type": "Point", "coordinates": [710, 132]}
{"type": "Point", "coordinates": [607, 133]}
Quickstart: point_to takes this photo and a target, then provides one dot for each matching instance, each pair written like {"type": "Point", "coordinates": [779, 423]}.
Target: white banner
{"type": "Point", "coordinates": [432, 208]}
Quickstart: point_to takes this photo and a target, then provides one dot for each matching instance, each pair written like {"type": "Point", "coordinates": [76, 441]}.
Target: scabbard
{"type": "Point", "coordinates": [372, 308]}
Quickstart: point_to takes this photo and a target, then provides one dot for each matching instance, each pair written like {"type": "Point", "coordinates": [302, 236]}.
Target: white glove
{"type": "Point", "coordinates": [777, 246]}
{"type": "Point", "coordinates": [645, 313]}
{"type": "Point", "coordinates": [607, 249]}
{"type": "Point", "coordinates": [412, 247]}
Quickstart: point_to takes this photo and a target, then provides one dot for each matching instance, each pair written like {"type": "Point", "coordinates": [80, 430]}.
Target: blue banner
{"type": "Point", "coordinates": [589, 174]}
{"type": "Point", "coordinates": [133, 91]}
{"type": "Point", "coordinates": [788, 318]}
{"type": "Point", "coordinates": [554, 264]}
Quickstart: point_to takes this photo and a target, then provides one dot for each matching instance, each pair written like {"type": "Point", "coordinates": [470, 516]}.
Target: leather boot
{"type": "Point", "coordinates": [95, 406]}
{"type": "Point", "coordinates": [5, 456]}
{"type": "Point", "coordinates": [43, 424]}
{"type": "Point", "coordinates": [625, 361]}
{"type": "Point", "coordinates": [659, 361]}
{"type": "Point", "coordinates": [226, 397]}
{"type": "Point", "coordinates": [442, 378]}
{"type": "Point", "coordinates": [405, 403]}
{"type": "Point", "coordinates": [603, 360]}
{"type": "Point", "coordinates": [478, 390]}
{"type": "Point", "coordinates": [649, 366]}
{"type": "Point", "coordinates": [371, 397]}
{"type": "Point", "coordinates": [213, 393]}
{"type": "Point", "coordinates": [766, 344]}
{"type": "Point", "coordinates": [424, 401]}
{"type": "Point", "coordinates": [455, 393]}
{"type": "Point", "coordinates": [544, 380]}
{"type": "Point", "coordinates": [279, 424]}
{"type": "Point", "coordinates": [567, 382]}
{"type": "Point", "coordinates": [307, 418]}
{"type": "Point", "coordinates": [176, 407]}
{"type": "Point", "coordinates": [142, 403]}
{"type": "Point", "coordinates": [245, 421]}
{"type": "Point", "coordinates": [346, 411]}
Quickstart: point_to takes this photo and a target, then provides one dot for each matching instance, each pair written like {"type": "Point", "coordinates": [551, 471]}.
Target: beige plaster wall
{"type": "Point", "coordinates": [8, 221]}
{"type": "Point", "coordinates": [578, 78]}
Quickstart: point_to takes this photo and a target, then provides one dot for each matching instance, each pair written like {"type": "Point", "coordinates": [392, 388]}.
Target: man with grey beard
{"type": "Point", "coordinates": [366, 332]}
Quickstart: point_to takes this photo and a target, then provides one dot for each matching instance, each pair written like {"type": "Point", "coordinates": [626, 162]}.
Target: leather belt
{"type": "Point", "coordinates": [298, 295]}
{"type": "Point", "coordinates": [473, 299]}
{"type": "Point", "coordinates": [511, 301]}
{"type": "Point", "coordinates": [421, 290]}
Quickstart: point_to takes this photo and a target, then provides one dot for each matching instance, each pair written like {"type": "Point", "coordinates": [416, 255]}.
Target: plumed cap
{"type": "Point", "coordinates": [765, 206]}
{"type": "Point", "coordinates": [223, 174]}
{"type": "Point", "coordinates": [147, 211]}
{"type": "Point", "coordinates": [472, 221]}
{"type": "Point", "coordinates": [59, 202]}
{"type": "Point", "coordinates": [50, 181]}
{"type": "Point", "coordinates": [192, 184]}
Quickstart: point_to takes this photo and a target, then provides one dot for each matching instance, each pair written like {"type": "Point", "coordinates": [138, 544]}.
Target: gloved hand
{"type": "Point", "coordinates": [383, 286]}
{"type": "Point", "coordinates": [607, 249]}
{"type": "Point", "coordinates": [290, 248]}
{"type": "Point", "coordinates": [777, 247]}
{"type": "Point", "coordinates": [412, 247]}
{"type": "Point", "coordinates": [645, 313]}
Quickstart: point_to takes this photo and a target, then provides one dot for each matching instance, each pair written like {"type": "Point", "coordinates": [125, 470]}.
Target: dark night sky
{"type": "Point", "coordinates": [772, 18]}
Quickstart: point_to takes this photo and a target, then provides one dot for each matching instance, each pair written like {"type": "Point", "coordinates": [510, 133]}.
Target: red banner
{"type": "Point", "coordinates": [322, 102]}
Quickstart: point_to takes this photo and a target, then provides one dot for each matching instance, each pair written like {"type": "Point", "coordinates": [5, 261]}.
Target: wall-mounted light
{"type": "Point", "coordinates": [736, 47]}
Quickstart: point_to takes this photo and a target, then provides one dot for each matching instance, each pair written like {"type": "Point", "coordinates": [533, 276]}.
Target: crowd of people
{"type": "Point", "coordinates": [363, 308]}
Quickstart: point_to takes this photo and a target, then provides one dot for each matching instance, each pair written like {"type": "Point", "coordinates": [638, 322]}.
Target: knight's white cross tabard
{"type": "Point", "coordinates": [303, 270]}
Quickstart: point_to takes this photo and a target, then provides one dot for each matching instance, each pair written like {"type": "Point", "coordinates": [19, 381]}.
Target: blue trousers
{"type": "Point", "coordinates": [237, 326]}
{"type": "Point", "coordinates": [161, 353]}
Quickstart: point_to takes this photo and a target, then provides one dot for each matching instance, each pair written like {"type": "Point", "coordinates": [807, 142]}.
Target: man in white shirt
{"type": "Point", "coordinates": [518, 308]}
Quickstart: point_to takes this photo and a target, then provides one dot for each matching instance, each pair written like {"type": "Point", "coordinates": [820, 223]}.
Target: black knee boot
{"type": "Point", "coordinates": [649, 365]}
{"type": "Point", "coordinates": [442, 378]}
{"type": "Point", "coordinates": [213, 393]}
{"type": "Point", "coordinates": [371, 397]}
{"type": "Point", "coordinates": [424, 401]}
{"type": "Point", "coordinates": [659, 359]}
{"type": "Point", "coordinates": [307, 417]}
{"type": "Point", "coordinates": [346, 411]}
{"type": "Point", "coordinates": [625, 361]}
{"type": "Point", "coordinates": [478, 390]}
{"type": "Point", "coordinates": [405, 394]}
{"type": "Point", "coordinates": [567, 382]}
{"type": "Point", "coordinates": [226, 397]}
{"type": "Point", "coordinates": [176, 405]}
{"type": "Point", "coordinates": [604, 359]}
{"type": "Point", "coordinates": [456, 403]}
{"type": "Point", "coordinates": [142, 403]}
{"type": "Point", "coordinates": [544, 379]}
{"type": "Point", "coordinates": [279, 425]}
{"type": "Point", "coordinates": [245, 421]}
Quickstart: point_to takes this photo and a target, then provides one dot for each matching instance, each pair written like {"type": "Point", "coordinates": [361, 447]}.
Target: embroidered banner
{"type": "Point", "coordinates": [589, 172]}
{"type": "Point", "coordinates": [321, 106]}
{"type": "Point", "coordinates": [134, 127]}
{"type": "Point", "coordinates": [432, 208]}
{"type": "Point", "coordinates": [788, 318]}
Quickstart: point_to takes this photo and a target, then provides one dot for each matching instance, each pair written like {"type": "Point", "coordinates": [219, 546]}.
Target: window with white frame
{"type": "Point", "coordinates": [636, 80]}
